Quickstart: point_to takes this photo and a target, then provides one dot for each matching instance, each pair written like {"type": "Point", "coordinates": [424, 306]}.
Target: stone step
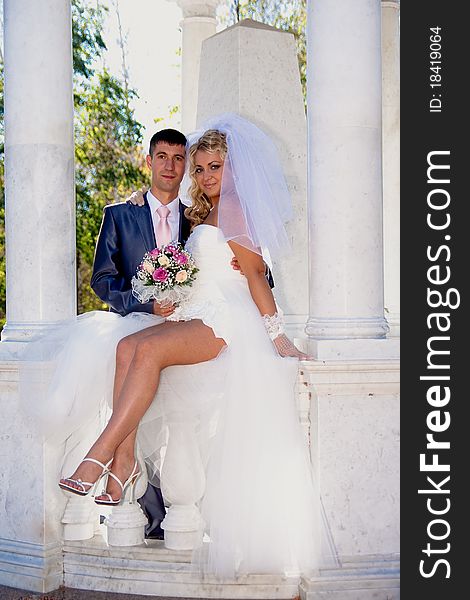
{"type": "Point", "coordinates": [8, 593]}
{"type": "Point", "coordinates": [153, 570]}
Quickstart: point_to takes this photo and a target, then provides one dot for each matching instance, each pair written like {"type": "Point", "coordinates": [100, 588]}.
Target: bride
{"type": "Point", "coordinates": [261, 505]}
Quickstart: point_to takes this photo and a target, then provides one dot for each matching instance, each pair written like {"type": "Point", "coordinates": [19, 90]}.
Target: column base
{"type": "Point", "coordinates": [80, 518]}
{"type": "Point", "coordinates": [393, 320]}
{"type": "Point", "coordinates": [126, 525]}
{"type": "Point", "coordinates": [294, 324]}
{"type": "Point", "coordinates": [183, 527]}
{"type": "Point", "coordinates": [182, 540]}
{"type": "Point", "coordinates": [339, 328]}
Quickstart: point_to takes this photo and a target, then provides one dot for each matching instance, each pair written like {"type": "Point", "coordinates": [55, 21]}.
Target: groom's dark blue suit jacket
{"type": "Point", "coordinates": [126, 234]}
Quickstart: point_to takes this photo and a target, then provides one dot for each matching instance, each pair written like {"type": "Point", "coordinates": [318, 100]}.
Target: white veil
{"type": "Point", "coordinates": [254, 201]}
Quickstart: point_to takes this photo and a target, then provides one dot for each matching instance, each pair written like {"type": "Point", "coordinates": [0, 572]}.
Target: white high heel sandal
{"type": "Point", "coordinates": [84, 487]}
{"type": "Point", "coordinates": [107, 500]}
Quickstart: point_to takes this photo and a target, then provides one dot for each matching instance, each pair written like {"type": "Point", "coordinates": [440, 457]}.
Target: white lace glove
{"type": "Point", "coordinates": [275, 327]}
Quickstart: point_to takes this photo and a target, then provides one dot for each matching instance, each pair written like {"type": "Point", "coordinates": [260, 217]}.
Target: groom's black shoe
{"type": "Point", "coordinates": [157, 534]}
{"type": "Point", "coordinates": [154, 509]}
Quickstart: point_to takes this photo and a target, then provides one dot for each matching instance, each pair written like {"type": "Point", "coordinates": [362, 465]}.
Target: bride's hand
{"type": "Point", "coordinates": [286, 348]}
{"type": "Point", "coordinates": [162, 309]}
{"type": "Point", "coordinates": [137, 198]}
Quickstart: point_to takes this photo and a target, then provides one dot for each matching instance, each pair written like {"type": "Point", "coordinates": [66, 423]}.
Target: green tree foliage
{"type": "Point", "coordinates": [290, 15]}
{"type": "Point", "coordinates": [108, 154]}
{"type": "Point", "coordinates": [109, 164]}
{"type": "Point", "coordinates": [87, 41]}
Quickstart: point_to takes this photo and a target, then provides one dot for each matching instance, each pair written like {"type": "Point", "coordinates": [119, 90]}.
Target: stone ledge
{"type": "Point", "coordinates": [352, 377]}
{"type": "Point", "coordinates": [389, 368]}
{"type": "Point", "coordinates": [11, 351]}
{"type": "Point", "coordinates": [352, 349]}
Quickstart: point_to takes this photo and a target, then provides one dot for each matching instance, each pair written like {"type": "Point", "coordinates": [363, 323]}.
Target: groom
{"type": "Point", "coordinates": [127, 232]}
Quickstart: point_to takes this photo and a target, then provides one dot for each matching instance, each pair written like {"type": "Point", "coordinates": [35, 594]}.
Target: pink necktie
{"type": "Point", "coordinates": [163, 227]}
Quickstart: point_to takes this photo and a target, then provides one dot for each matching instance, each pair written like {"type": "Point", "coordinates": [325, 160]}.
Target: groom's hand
{"type": "Point", "coordinates": [137, 198]}
{"type": "Point", "coordinates": [236, 265]}
{"type": "Point", "coordinates": [163, 310]}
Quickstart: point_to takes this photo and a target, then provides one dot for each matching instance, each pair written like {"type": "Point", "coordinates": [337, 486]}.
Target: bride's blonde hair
{"type": "Point", "coordinates": [211, 141]}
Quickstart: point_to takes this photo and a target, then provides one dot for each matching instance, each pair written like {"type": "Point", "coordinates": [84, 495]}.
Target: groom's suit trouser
{"type": "Point", "coordinates": [154, 509]}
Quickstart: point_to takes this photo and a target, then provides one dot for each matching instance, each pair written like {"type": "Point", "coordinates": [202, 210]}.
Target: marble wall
{"type": "Point", "coordinates": [30, 503]}
{"type": "Point", "coordinates": [355, 447]}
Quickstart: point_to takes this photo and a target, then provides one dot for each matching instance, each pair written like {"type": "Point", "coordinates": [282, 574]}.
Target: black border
{"type": "Point", "coordinates": [423, 132]}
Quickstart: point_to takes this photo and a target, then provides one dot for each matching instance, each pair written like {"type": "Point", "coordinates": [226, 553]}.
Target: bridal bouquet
{"type": "Point", "coordinates": [165, 274]}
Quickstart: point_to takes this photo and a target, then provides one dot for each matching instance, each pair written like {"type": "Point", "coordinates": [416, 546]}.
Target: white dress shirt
{"type": "Point", "coordinates": [173, 217]}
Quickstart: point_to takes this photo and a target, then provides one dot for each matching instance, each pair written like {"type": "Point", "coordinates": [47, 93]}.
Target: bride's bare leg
{"type": "Point", "coordinates": [171, 343]}
{"type": "Point", "coordinates": [124, 456]}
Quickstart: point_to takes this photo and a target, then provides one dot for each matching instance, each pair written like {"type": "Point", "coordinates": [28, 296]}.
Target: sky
{"type": "Point", "coordinates": [152, 32]}
{"type": "Point", "coordinates": [151, 29]}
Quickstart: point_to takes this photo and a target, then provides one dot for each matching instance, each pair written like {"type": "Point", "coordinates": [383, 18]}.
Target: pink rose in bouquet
{"type": "Point", "coordinates": [160, 275]}
{"type": "Point", "coordinates": [181, 258]}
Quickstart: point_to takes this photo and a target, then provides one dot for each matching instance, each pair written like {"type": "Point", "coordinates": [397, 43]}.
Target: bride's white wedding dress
{"type": "Point", "coordinates": [261, 506]}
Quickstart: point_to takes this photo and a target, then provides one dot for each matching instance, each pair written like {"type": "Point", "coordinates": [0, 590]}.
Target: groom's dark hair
{"type": "Point", "coordinates": [170, 136]}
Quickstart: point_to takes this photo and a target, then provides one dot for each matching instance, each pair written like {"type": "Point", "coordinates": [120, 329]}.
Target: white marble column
{"type": "Point", "coordinates": [39, 166]}
{"type": "Point", "coordinates": [199, 22]}
{"type": "Point", "coordinates": [391, 160]}
{"type": "Point", "coordinates": [345, 176]}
